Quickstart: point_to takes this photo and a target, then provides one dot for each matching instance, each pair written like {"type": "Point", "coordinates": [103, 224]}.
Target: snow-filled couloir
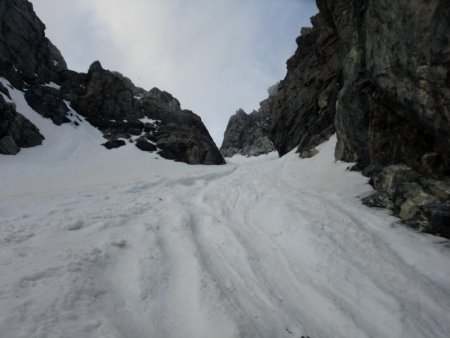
{"type": "Point", "coordinates": [98, 243]}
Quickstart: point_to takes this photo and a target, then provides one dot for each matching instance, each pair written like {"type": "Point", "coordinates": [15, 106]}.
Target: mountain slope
{"type": "Point", "coordinates": [104, 246]}
{"type": "Point", "coordinates": [152, 120]}
{"type": "Point", "coordinates": [120, 243]}
{"type": "Point", "coordinates": [377, 74]}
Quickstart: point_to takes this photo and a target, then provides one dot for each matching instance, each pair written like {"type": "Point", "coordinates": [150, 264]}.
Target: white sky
{"type": "Point", "coordinates": [215, 56]}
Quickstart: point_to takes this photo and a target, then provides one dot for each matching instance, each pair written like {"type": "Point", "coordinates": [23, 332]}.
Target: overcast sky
{"type": "Point", "coordinates": [215, 56]}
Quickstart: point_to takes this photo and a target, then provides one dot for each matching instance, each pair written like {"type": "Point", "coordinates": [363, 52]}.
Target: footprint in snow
{"type": "Point", "coordinates": [119, 244]}
{"type": "Point", "coordinates": [75, 226]}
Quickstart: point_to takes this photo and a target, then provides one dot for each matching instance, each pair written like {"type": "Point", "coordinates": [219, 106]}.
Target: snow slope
{"type": "Point", "coordinates": [97, 243]}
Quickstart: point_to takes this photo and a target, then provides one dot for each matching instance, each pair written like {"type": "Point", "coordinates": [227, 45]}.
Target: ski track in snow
{"type": "Point", "coordinates": [97, 243]}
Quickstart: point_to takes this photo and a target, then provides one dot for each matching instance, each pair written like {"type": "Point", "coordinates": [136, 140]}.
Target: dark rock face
{"type": "Point", "coordinates": [248, 134]}
{"type": "Point", "coordinates": [377, 74]}
{"type": "Point", "coordinates": [114, 144]}
{"type": "Point", "coordinates": [106, 96]}
{"type": "Point", "coordinates": [15, 130]}
{"type": "Point", "coordinates": [437, 218]}
{"type": "Point", "coordinates": [145, 145]}
{"type": "Point", "coordinates": [26, 55]}
{"type": "Point", "coordinates": [48, 102]}
{"type": "Point", "coordinates": [394, 103]}
{"type": "Point", "coordinates": [108, 100]}
{"type": "Point", "coordinates": [111, 102]}
{"type": "Point", "coordinates": [303, 110]}
{"type": "Point", "coordinates": [182, 136]}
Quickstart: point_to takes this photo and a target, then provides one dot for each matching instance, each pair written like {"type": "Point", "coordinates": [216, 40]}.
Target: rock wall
{"type": "Point", "coordinates": [26, 55]}
{"type": "Point", "coordinates": [152, 120]}
{"type": "Point", "coordinates": [248, 134]}
{"type": "Point", "coordinates": [394, 103]}
{"type": "Point", "coordinates": [393, 109]}
{"type": "Point", "coordinates": [303, 110]}
{"type": "Point", "coordinates": [376, 72]}
{"type": "Point", "coordinates": [302, 107]}
{"type": "Point", "coordinates": [15, 130]}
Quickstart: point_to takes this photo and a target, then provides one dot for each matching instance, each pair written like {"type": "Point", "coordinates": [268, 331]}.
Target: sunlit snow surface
{"type": "Point", "coordinates": [121, 243]}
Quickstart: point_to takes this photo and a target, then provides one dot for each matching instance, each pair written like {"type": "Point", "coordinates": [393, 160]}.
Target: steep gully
{"type": "Point", "coordinates": [243, 250]}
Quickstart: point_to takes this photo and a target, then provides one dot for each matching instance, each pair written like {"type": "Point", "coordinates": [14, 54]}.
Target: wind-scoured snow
{"type": "Point", "coordinates": [121, 243]}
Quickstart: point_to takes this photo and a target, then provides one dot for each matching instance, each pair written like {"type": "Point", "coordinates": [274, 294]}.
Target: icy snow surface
{"type": "Point", "coordinates": [120, 243]}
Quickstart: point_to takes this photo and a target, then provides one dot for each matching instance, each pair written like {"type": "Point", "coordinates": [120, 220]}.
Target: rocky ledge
{"type": "Point", "coordinates": [151, 120]}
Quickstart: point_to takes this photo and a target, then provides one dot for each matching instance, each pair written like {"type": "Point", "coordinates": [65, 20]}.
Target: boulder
{"type": "Point", "coordinates": [113, 144]}
{"type": "Point", "coordinates": [410, 207]}
{"type": "Point", "coordinates": [440, 189]}
{"type": "Point", "coordinates": [16, 131]}
{"type": "Point", "coordinates": [437, 215]}
{"type": "Point", "coordinates": [143, 144]}
{"type": "Point", "coordinates": [8, 146]}
{"type": "Point", "coordinates": [391, 177]}
{"type": "Point", "coordinates": [378, 200]}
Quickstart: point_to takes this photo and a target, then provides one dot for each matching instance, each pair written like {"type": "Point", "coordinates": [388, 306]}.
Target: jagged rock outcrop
{"type": "Point", "coordinates": [247, 134]}
{"type": "Point", "coordinates": [385, 82]}
{"type": "Point", "coordinates": [48, 102]}
{"type": "Point", "coordinates": [15, 130]}
{"type": "Point", "coordinates": [304, 107]}
{"type": "Point", "coordinates": [26, 55]}
{"type": "Point", "coordinates": [377, 74]}
{"type": "Point", "coordinates": [152, 120]}
{"type": "Point", "coordinates": [394, 104]}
